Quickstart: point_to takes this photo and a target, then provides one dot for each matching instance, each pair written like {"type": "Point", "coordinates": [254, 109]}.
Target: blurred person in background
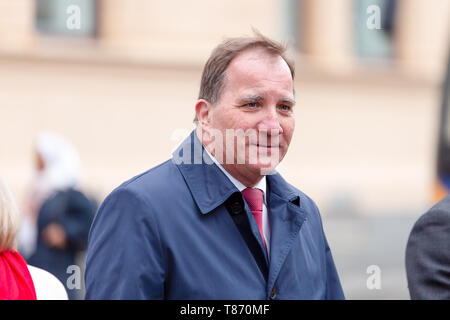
{"type": "Point", "coordinates": [61, 213]}
{"type": "Point", "coordinates": [19, 281]}
{"type": "Point", "coordinates": [56, 167]}
{"type": "Point", "coordinates": [428, 254]}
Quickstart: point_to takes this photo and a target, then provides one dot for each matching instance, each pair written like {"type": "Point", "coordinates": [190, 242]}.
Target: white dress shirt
{"type": "Point", "coordinates": [240, 186]}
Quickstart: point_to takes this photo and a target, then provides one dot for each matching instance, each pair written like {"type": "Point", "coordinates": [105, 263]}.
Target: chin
{"type": "Point", "coordinates": [264, 168]}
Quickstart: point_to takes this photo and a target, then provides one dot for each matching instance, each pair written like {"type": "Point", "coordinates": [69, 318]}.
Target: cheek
{"type": "Point", "coordinates": [288, 130]}
{"type": "Point", "coordinates": [230, 119]}
{"type": "Point", "coordinates": [220, 118]}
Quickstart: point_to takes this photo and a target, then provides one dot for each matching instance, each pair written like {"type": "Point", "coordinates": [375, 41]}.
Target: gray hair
{"type": "Point", "coordinates": [212, 81]}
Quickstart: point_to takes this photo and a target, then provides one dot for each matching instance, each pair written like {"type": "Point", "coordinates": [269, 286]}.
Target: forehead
{"type": "Point", "coordinates": [256, 68]}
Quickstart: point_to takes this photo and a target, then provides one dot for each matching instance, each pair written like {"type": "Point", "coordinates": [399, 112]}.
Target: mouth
{"type": "Point", "coordinates": [264, 155]}
{"type": "Point", "coordinates": [264, 146]}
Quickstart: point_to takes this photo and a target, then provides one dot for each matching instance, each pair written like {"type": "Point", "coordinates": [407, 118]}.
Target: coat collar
{"type": "Point", "coordinates": [210, 188]}
{"type": "Point", "coordinates": [208, 184]}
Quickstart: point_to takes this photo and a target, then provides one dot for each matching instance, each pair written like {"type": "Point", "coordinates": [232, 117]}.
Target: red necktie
{"type": "Point", "coordinates": [254, 198]}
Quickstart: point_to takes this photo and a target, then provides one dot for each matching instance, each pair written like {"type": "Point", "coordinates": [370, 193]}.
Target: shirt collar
{"type": "Point", "coordinates": [209, 185]}
{"type": "Point", "coordinates": [239, 185]}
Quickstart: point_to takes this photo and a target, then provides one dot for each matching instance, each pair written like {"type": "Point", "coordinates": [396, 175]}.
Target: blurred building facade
{"type": "Point", "coordinates": [122, 85]}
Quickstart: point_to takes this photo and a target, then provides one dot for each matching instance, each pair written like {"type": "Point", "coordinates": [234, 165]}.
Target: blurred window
{"type": "Point", "coordinates": [374, 26]}
{"type": "Point", "coordinates": [66, 17]}
{"type": "Point", "coordinates": [290, 21]}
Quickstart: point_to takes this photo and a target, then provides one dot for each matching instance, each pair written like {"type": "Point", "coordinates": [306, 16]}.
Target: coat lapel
{"type": "Point", "coordinates": [286, 217]}
{"type": "Point", "coordinates": [208, 184]}
{"type": "Point", "coordinates": [211, 188]}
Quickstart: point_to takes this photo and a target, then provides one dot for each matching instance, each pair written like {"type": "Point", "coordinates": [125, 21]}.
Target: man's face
{"type": "Point", "coordinates": [257, 98]}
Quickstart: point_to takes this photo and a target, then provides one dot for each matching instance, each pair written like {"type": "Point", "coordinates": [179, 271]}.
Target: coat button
{"type": "Point", "coordinates": [236, 208]}
{"type": "Point", "coordinates": [273, 293]}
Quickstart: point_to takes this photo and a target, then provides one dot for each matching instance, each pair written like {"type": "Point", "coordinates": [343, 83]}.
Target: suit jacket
{"type": "Point", "coordinates": [428, 254]}
{"type": "Point", "coordinates": [182, 231]}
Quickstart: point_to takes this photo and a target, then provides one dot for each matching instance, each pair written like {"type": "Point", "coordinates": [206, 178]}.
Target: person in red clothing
{"type": "Point", "coordinates": [16, 280]}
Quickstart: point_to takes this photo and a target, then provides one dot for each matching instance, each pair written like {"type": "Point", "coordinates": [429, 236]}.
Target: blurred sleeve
{"type": "Point", "coordinates": [124, 257]}
{"type": "Point", "coordinates": [333, 284]}
{"type": "Point", "coordinates": [428, 256]}
{"type": "Point", "coordinates": [334, 288]}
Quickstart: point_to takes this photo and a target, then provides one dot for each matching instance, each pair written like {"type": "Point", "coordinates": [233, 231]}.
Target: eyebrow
{"type": "Point", "coordinates": [257, 98]}
{"type": "Point", "coordinates": [288, 100]}
{"type": "Point", "coordinates": [251, 99]}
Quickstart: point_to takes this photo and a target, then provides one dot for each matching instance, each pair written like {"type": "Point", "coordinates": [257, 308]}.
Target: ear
{"type": "Point", "coordinates": [203, 111]}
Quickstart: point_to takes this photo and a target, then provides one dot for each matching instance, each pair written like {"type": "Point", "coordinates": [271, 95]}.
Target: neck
{"type": "Point", "coordinates": [249, 179]}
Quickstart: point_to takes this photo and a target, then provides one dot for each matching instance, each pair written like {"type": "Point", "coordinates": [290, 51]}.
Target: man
{"type": "Point", "coordinates": [210, 223]}
{"type": "Point", "coordinates": [428, 254]}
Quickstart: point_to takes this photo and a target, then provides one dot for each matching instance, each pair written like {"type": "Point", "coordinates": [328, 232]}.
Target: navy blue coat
{"type": "Point", "coordinates": [170, 233]}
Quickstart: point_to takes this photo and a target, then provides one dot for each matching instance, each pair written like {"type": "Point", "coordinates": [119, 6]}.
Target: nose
{"type": "Point", "coordinates": [270, 122]}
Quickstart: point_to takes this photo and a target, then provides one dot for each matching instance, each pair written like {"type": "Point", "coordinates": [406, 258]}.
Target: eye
{"type": "Point", "coordinates": [285, 107]}
{"type": "Point", "coordinates": [252, 105]}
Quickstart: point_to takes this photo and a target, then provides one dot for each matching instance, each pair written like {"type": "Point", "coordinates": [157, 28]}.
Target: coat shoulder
{"type": "Point", "coordinates": [155, 181]}
{"type": "Point", "coordinates": [303, 200]}
{"type": "Point", "coordinates": [438, 216]}
{"type": "Point", "coordinates": [440, 210]}
{"type": "Point", "coordinates": [148, 191]}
